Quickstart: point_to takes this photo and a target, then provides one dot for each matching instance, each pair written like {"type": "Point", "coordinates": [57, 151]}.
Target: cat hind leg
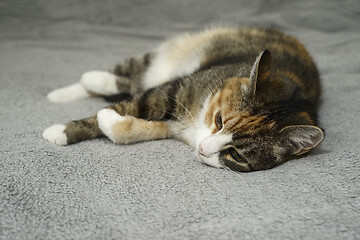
{"type": "Point", "coordinates": [69, 93]}
{"type": "Point", "coordinates": [91, 84]}
{"type": "Point", "coordinates": [104, 83]}
{"type": "Point", "coordinates": [124, 78]}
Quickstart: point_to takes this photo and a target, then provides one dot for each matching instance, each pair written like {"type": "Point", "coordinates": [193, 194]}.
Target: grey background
{"type": "Point", "coordinates": [157, 190]}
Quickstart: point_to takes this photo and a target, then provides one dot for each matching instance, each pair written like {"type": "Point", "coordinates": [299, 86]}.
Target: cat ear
{"type": "Point", "coordinates": [259, 72]}
{"type": "Point", "coordinates": [300, 138]}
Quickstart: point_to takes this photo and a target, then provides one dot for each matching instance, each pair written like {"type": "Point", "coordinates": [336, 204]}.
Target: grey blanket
{"type": "Point", "coordinates": [157, 190]}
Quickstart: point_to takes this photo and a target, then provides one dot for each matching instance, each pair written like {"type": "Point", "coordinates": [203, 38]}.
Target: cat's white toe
{"type": "Point", "coordinates": [100, 82]}
{"type": "Point", "coordinates": [55, 134]}
{"type": "Point", "coordinates": [68, 94]}
{"type": "Point", "coordinates": [106, 120]}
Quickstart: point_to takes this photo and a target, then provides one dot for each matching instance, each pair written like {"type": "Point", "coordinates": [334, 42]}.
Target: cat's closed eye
{"type": "Point", "coordinates": [218, 121]}
{"type": "Point", "coordinates": [236, 156]}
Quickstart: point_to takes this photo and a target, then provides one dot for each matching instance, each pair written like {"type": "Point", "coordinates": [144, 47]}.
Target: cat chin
{"type": "Point", "coordinates": [213, 160]}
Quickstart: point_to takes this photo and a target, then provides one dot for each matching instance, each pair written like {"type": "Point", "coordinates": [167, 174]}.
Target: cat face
{"type": "Point", "coordinates": [235, 138]}
{"type": "Point", "coordinates": [238, 136]}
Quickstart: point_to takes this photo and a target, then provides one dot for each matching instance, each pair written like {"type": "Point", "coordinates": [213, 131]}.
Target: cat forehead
{"type": "Point", "coordinates": [243, 123]}
{"type": "Point", "coordinates": [230, 92]}
{"type": "Point", "coordinates": [242, 140]}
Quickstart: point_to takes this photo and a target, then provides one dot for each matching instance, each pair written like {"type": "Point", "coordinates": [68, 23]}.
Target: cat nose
{"type": "Point", "coordinates": [213, 144]}
{"type": "Point", "coordinates": [201, 151]}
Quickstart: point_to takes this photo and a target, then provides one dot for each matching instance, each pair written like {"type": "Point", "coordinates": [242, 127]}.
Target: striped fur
{"type": "Point", "coordinates": [245, 99]}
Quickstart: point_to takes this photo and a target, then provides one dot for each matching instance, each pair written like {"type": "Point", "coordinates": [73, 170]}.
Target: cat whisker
{"type": "Point", "coordinates": [186, 125]}
{"type": "Point", "coordinates": [180, 125]}
{"type": "Point", "coordinates": [185, 109]}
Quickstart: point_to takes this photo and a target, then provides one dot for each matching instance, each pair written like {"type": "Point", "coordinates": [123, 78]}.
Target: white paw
{"type": "Point", "coordinates": [100, 82]}
{"type": "Point", "coordinates": [55, 134]}
{"type": "Point", "coordinates": [67, 94]}
{"type": "Point", "coordinates": [106, 120]}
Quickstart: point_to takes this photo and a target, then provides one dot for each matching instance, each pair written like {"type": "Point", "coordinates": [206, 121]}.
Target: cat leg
{"type": "Point", "coordinates": [91, 84]}
{"type": "Point", "coordinates": [73, 132]}
{"type": "Point", "coordinates": [120, 129]}
{"type": "Point", "coordinates": [133, 69]}
{"type": "Point", "coordinates": [124, 78]}
{"type": "Point", "coordinates": [128, 129]}
{"type": "Point", "coordinates": [127, 112]}
{"type": "Point", "coordinates": [69, 93]}
{"type": "Point", "coordinates": [142, 118]}
{"type": "Point", "coordinates": [101, 82]}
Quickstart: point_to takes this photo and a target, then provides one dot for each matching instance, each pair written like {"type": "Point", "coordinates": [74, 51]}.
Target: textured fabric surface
{"type": "Point", "coordinates": [157, 190]}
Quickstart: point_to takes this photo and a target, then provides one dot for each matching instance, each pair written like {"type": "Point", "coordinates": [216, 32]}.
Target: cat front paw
{"type": "Point", "coordinates": [100, 82]}
{"type": "Point", "coordinates": [107, 118]}
{"type": "Point", "coordinates": [56, 134]}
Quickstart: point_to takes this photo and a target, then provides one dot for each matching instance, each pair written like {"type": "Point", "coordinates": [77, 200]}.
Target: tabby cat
{"type": "Point", "coordinates": [245, 99]}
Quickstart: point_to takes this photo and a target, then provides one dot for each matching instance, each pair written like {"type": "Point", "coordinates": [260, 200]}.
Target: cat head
{"type": "Point", "coordinates": [242, 129]}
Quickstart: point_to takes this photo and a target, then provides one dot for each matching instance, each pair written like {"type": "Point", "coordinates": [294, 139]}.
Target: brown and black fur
{"type": "Point", "coordinates": [265, 112]}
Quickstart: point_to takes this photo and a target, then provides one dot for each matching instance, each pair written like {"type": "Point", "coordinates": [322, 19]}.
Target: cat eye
{"type": "Point", "coordinates": [235, 155]}
{"type": "Point", "coordinates": [218, 120]}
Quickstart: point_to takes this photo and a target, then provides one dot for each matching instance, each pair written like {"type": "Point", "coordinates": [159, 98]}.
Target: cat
{"type": "Point", "coordinates": [244, 98]}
